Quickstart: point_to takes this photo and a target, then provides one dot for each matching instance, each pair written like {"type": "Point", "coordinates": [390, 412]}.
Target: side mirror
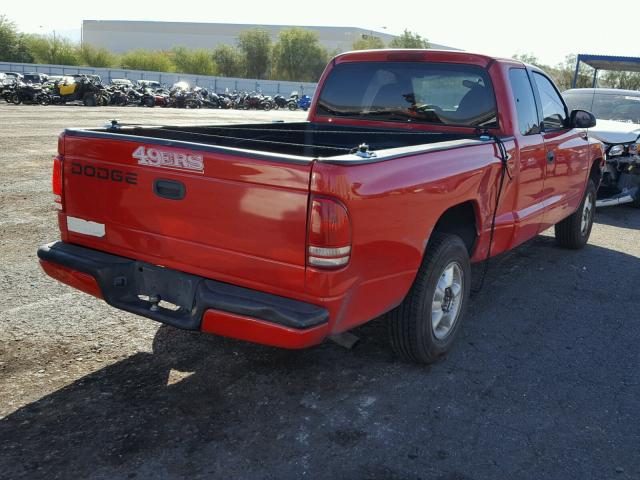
{"type": "Point", "coordinates": [582, 119]}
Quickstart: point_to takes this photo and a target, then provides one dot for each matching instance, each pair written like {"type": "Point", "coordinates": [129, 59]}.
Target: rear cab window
{"type": "Point", "coordinates": [420, 92]}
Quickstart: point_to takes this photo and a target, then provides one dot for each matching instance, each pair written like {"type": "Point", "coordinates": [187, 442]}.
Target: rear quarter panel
{"type": "Point", "coordinates": [393, 207]}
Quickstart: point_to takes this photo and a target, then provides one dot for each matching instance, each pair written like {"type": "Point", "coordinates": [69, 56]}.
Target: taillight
{"type": "Point", "coordinates": [56, 181]}
{"type": "Point", "coordinates": [329, 241]}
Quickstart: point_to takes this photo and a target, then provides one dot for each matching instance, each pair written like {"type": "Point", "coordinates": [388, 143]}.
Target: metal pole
{"type": "Point", "coordinates": [595, 78]}
{"type": "Point", "coordinates": [575, 75]}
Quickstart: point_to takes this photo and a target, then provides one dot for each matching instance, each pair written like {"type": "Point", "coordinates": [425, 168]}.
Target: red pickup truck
{"type": "Point", "coordinates": [411, 165]}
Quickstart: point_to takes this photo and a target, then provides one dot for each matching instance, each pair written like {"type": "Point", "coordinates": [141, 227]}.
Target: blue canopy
{"type": "Point", "coordinates": [605, 62]}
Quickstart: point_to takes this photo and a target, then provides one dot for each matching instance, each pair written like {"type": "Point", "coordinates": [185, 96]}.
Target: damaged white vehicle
{"type": "Point", "coordinates": [618, 127]}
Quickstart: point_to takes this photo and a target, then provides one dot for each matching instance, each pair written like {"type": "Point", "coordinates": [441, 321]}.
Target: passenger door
{"type": "Point", "coordinates": [529, 208]}
{"type": "Point", "coordinates": [567, 165]}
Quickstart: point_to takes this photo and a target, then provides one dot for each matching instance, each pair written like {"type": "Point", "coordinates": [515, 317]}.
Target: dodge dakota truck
{"type": "Point", "coordinates": [411, 165]}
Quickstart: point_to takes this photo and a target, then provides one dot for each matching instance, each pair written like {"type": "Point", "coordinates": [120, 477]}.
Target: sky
{"type": "Point", "coordinates": [548, 29]}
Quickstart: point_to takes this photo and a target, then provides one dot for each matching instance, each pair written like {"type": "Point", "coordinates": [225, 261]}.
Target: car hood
{"type": "Point", "coordinates": [609, 131]}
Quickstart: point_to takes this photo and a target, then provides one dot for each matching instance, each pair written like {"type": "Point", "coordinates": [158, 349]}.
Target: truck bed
{"type": "Point", "coordinates": [303, 140]}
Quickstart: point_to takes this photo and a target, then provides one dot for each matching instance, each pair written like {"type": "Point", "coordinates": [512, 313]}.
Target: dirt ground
{"type": "Point", "coordinates": [544, 383]}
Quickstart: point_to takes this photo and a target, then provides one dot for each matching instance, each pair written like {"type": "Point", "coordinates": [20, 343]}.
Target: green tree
{"type": "Point", "coordinates": [298, 56]}
{"type": "Point", "coordinates": [97, 57]}
{"type": "Point", "coordinates": [255, 45]}
{"type": "Point", "coordinates": [22, 53]}
{"type": "Point", "coordinates": [409, 40]}
{"type": "Point", "coordinates": [562, 73]}
{"type": "Point", "coordinates": [197, 62]}
{"type": "Point", "coordinates": [8, 39]}
{"type": "Point", "coordinates": [228, 60]}
{"type": "Point", "coordinates": [52, 49]}
{"type": "Point", "coordinates": [155, 61]}
{"type": "Point", "coordinates": [368, 42]}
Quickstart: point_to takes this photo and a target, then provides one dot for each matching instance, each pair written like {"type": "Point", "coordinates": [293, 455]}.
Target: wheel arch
{"type": "Point", "coordinates": [595, 173]}
{"type": "Point", "coordinates": [461, 220]}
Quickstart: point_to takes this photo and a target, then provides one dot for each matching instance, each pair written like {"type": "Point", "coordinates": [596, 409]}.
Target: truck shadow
{"type": "Point", "coordinates": [623, 216]}
{"type": "Point", "coordinates": [206, 407]}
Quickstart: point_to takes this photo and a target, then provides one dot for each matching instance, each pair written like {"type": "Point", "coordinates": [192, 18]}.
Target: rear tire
{"type": "Point", "coordinates": [425, 325]}
{"type": "Point", "coordinates": [636, 200]}
{"type": "Point", "coordinates": [573, 232]}
{"type": "Point", "coordinates": [15, 99]}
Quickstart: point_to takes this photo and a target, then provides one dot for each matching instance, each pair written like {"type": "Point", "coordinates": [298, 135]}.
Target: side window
{"type": "Point", "coordinates": [553, 109]}
{"type": "Point", "coordinates": [525, 103]}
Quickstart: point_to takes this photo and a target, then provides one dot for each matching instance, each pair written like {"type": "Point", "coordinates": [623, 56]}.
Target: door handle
{"type": "Point", "coordinates": [550, 156]}
{"type": "Point", "coordinates": [169, 189]}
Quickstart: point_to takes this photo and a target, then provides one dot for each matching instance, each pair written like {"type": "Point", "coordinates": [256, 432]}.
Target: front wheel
{"type": "Point", "coordinates": [16, 99]}
{"type": "Point", "coordinates": [425, 325]}
{"type": "Point", "coordinates": [573, 232]}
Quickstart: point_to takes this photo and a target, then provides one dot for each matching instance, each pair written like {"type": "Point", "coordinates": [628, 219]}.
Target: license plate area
{"type": "Point", "coordinates": [153, 291]}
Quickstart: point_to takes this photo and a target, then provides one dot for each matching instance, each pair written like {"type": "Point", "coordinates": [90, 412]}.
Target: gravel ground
{"type": "Point", "coordinates": [544, 382]}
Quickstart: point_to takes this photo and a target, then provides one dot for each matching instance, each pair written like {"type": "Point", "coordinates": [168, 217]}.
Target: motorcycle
{"type": "Point", "coordinates": [6, 90]}
{"type": "Point", "coordinates": [279, 102]}
{"type": "Point", "coordinates": [253, 100]}
{"type": "Point", "coordinates": [29, 93]}
{"type": "Point", "coordinates": [295, 101]}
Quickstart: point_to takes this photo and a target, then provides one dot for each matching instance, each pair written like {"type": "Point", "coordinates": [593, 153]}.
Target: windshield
{"type": "Point", "coordinates": [622, 107]}
{"type": "Point", "coordinates": [438, 93]}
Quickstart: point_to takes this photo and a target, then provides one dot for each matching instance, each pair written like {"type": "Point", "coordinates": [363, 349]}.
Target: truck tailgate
{"type": "Point", "coordinates": [229, 216]}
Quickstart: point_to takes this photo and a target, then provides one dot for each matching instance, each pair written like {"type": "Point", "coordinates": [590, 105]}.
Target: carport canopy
{"type": "Point", "coordinates": [605, 62]}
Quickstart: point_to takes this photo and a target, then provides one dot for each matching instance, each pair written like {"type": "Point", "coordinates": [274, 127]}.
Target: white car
{"type": "Point", "coordinates": [618, 127]}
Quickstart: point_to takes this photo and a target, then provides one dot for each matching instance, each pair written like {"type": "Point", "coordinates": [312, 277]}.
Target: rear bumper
{"type": "Point", "coordinates": [186, 301]}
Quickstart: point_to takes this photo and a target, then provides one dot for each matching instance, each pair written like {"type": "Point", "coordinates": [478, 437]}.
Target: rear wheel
{"type": "Point", "coordinates": [636, 200]}
{"type": "Point", "coordinates": [15, 99]}
{"type": "Point", "coordinates": [292, 106]}
{"type": "Point", "coordinates": [573, 232]}
{"type": "Point", "coordinates": [425, 325]}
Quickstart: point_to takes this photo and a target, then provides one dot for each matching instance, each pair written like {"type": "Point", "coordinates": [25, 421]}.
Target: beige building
{"type": "Point", "coordinates": [121, 35]}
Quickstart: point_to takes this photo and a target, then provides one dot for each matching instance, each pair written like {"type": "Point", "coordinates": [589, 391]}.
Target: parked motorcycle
{"type": "Point", "coordinates": [253, 100]}
{"type": "Point", "coordinates": [279, 101]}
{"type": "Point", "coordinates": [29, 93]}
{"type": "Point", "coordinates": [295, 102]}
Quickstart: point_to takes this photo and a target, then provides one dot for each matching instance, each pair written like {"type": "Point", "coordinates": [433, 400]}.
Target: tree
{"type": "Point", "coordinates": [622, 80]}
{"type": "Point", "coordinates": [52, 49]}
{"type": "Point", "coordinates": [8, 39]}
{"type": "Point", "coordinates": [368, 42]}
{"type": "Point", "coordinates": [228, 60]}
{"type": "Point", "coordinates": [409, 40]}
{"type": "Point", "coordinates": [97, 57]}
{"type": "Point", "coordinates": [153, 61]}
{"type": "Point", "coordinates": [562, 73]}
{"type": "Point", "coordinates": [197, 62]}
{"type": "Point", "coordinates": [298, 56]}
{"type": "Point", "coordinates": [255, 44]}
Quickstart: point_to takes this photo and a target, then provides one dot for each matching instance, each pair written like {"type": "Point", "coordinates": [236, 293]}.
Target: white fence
{"type": "Point", "coordinates": [217, 84]}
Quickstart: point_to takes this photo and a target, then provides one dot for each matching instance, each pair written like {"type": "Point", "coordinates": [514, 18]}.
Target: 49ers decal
{"type": "Point", "coordinates": [154, 157]}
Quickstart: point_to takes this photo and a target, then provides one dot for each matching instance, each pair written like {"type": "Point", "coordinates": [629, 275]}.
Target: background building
{"type": "Point", "coordinates": [121, 35]}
